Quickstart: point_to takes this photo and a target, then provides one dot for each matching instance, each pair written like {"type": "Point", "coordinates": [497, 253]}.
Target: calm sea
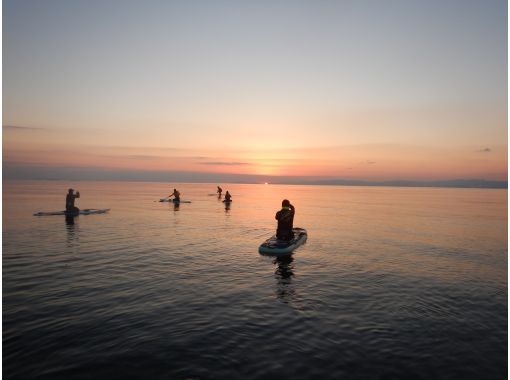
{"type": "Point", "coordinates": [393, 283]}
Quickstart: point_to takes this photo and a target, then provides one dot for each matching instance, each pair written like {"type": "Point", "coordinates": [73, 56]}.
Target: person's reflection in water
{"type": "Point", "coordinates": [227, 207]}
{"type": "Point", "coordinates": [72, 230]}
{"type": "Point", "coordinates": [283, 275]}
{"type": "Point", "coordinates": [176, 206]}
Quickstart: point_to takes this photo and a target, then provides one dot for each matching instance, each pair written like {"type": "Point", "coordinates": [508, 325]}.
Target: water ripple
{"type": "Point", "coordinates": [400, 284]}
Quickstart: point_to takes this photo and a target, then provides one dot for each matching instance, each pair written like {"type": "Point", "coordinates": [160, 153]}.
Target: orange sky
{"type": "Point", "coordinates": [363, 161]}
{"type": "Point", "coordinates": [364, 91]}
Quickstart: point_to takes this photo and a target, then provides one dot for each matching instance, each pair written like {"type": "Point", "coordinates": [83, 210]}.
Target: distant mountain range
{"type": "Point", "coordinates": [462, 183]}
{"type": "Point", "coordinates": [23, 172]}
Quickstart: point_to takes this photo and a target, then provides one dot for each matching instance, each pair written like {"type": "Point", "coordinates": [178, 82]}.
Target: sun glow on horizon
{"type": "Point", "coordinates": [244, 90]}
{"type": "Point", "coordinates": [369, 161]}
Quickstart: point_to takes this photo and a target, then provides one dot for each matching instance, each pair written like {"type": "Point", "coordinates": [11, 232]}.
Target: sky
{"type": "Point", "coordinates": [365, 89]}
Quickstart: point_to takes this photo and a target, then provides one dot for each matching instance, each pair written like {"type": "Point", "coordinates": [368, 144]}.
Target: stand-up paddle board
{"type": "Point", "coordinates": [274, 246]}
{"type": "Point", "coordinates": [173, 200]}
{"type": "Point", "coordinates": [86, 211]}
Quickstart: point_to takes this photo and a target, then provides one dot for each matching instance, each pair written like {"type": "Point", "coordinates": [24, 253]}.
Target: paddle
{"type": "Point", "coordinates": [163, 199]}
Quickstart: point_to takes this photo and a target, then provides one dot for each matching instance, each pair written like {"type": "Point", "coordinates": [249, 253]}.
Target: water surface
{"type": "Point", "coordinates": [392, 283]}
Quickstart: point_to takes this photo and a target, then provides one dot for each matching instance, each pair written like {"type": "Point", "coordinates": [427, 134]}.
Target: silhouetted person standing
{"type": "Point", "coordinates": [285, 218]}
{"type": "Point", "coordinates": [70, 207]}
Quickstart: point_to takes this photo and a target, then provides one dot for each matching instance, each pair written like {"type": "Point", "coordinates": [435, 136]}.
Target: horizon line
{"type": "Point", "coordinates": [448, 183]}
{"type": "Point", "coordinates": [71, 173]}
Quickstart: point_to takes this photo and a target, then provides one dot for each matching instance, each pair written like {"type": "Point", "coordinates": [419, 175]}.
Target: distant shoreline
{"type": "Point", "coordinates": [69, 173]}
{"type": "Point", "coordinates": [454, 184]}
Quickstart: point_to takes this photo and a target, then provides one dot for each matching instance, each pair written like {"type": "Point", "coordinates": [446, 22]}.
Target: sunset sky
{"type": "Point", "coordinates": [372, 90]}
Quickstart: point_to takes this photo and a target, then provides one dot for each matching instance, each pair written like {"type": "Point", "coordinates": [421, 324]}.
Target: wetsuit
{"type": "Point", "coordinates": [228, 197]}
{"type": "Point", "coordinates": [285, 218]}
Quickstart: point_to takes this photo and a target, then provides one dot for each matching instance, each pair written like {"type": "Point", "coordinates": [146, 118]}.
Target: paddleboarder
{"type": "Point", "coordinates": [285, 218]}
{"type": "Point", "coordinates": [71, 196]}
{"type": "Point", "coordinates": [219, 191]}
{"type": "Point", "coordinates": [228, 197]}
{"type": "Point", "coordinates": [177, 196]}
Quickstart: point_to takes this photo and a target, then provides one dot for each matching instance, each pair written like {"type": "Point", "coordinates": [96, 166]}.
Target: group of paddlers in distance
{"type": "Point", "coordinates": [228, 197]}
{"type": "Point", "coordinates": [285, 216]}
{"type": "Point", "coordinates": [177, 195]}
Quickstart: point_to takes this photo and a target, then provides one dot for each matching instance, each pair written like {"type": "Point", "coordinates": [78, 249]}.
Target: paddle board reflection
{"type": "Point", "coordinates": [283, 275]}
{"type": "Point", "coordinates": [71, 229]}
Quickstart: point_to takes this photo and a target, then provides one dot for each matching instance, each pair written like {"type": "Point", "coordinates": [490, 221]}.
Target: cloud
{"type": "Point", "coordinates": [136, 148]}
{"type": "Point", "coordinates": [224, 163]}
{"type": "Point", "coordinates": [131, 157]}
{"type": "Point", "coordinates": [142, 157]}
{"type": "Point", "coordinates": [368, 162]}
{"type": "Point", "coordinates": [19, 127]}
